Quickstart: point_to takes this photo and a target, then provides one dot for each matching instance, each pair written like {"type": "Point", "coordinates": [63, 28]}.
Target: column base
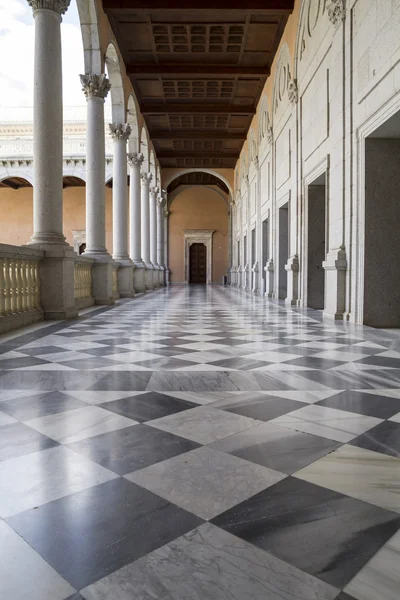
{"type": "Point", "coordinates": [149, 277]}
{"type": "Point", "coordinates": [125, 279]}
{"type": "Point", "coordinates": [335, 267]}
{"type": "Point", "coordinates": [139, 282]}
{"type": "Point", "coordinates": [57, 281]}
{"type": "Point", "coordinates": [41, 239]}
{"type": "Point", "coordinates": [167, 275]}
{"type": "Point", "coordinates": [156, 275]}
{"type": "Point", "coordinates": [269, 279]}
{"type": "Point", "coordinates": [292, 268]}
{"type": "Point", "coordinates": [102, 279]}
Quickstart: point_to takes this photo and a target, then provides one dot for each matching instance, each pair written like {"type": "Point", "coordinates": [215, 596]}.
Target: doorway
{"type": "Point", "coordinates": [283, 250]}
{"type": "Point", "coordinates": [316, 246]}
{"type": "Point", "coordinates": [198, 263]}
{"type": "Point", "coordinates": [381, 229]}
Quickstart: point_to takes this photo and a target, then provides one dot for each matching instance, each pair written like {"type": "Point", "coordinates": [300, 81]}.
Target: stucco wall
{"type": "Point", "coordinates": [16, 214]}
{"type": "Point", "coordinates": [198, 208]}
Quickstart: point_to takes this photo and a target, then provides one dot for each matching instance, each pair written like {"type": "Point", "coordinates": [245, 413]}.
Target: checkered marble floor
{"type": "Point", "coordinates": [200, 444]}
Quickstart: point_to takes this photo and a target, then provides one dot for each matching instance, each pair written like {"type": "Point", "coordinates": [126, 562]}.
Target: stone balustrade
{"type": "Point", "coordinates": [83, 282]}
{"type": "Point", "coordinates": [19, 287]}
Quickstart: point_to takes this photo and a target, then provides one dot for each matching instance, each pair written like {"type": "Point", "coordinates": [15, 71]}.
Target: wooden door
{"type": "Point", "coordinates": [198, 264]}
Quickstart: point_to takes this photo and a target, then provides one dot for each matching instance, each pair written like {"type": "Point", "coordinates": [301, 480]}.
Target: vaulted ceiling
{"type": "Point", "coordinates": [198, 69]}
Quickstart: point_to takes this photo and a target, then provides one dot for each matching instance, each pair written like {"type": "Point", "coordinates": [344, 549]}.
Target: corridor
{"type": "Point", "coordinates": [199, 443]}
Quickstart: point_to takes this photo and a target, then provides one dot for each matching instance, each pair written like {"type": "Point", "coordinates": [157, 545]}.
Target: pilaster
{"type": "Point", "coordinates": [292, 268]}
{"type": "Point", "coordinates": [335, 267]}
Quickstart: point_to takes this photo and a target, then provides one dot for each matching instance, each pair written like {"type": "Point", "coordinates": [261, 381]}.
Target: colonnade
{"type": "Point", "coordinates": [138, 217]}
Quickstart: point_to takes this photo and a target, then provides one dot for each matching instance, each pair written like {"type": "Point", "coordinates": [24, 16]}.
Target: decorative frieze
{"type": "Point", "coordinates": [120, 131]}
{"type": "Point", "coordinates": [58, 6]}
{"type": "Point", "coordinates": [95, 86]}
{"type": "Point", "coordinates": [135, 159]}
{"type": "Point", "coordinates": [293, 92]}
{"type": "Point", "coordinates": [336, 11]}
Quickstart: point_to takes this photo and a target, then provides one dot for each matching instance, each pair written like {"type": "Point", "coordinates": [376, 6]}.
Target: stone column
{"type": "Point", "coordinates": [57, 267]}
{"type": "Point", "coordinates": [153, 234]}
{"type": "Point", "coordinates": [167, 272]}
{"type": "Point", "coordinates": [120, 133]}
{"type": "Point", "coordinates": [145, 228]}
{"type": "Point", "coordinates": [135, 161]}
{"type": "Point", "coordinates": [96, 88]}
{"type": "Point", "coordinates": [160, 237]}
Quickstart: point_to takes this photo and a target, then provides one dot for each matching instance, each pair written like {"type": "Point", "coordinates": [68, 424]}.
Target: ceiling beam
{"type": "Point", "coordinates": [196, 69]}
{"type": "Point", "coordinates": [194, 154]}
{"type": "Point", "coordinates": [206, 134]}
{"type": "Point", "coordinates": [264, 6]}
{"type": "Point", "coordinates": [199, 109]}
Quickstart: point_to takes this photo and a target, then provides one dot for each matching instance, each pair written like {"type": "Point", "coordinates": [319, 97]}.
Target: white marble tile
{"type": "Point", "coordinates": [209, 564]}
{"type": "Point", "coordinates": [35, 479]}
{"type": "Point", "coordinates": [363, 474]}
{"type": "Point", "coordinates": [203, 397]}
{"type": "Point", "coordinates": [203, 424]}
{"type": "Point", "coordinates": [25, 574]}
{"type": "Point", "coordinates": [321, 345]}
{"type": "Point", "coordinates": [306, 396]}
{"type": "Point", "coordinates": [11, 354]}
{"type": "Point", "coordinates": [340, 356]}
{"type": "Point", "coordinates": [97, 397]}
{"type": "Point", "coordinates": [330, 423]}
{"type": "Point", "coordinates": [206, 482]}
{"type": "Point", "coordinates": [78, 424]}
{"type": "Point", "coordinates": [380, 578]}
{"type": "Point", "coordinates": [60, 357]}
{"type": "Point", "coordinates": [6, 419]}
{"type": "Point", "coordinates": [132, 357]}
{"type": "Point", "coordinates": [391, 393]}
{"type": "Point", "coordinates": [6, 395]}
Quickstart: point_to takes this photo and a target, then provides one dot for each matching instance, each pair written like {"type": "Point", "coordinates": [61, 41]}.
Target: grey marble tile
{"type": "Point", "coordinates": [330, 423]}
{"type": "Point", "coordinates": [363, 474]}
{"type": "Point", "coordinates": [203, 424]}
{"type": "Point", "coordinates": [16, 439]}
{"type": "Point", "coordinates": [384, 438]}
{"type": "Point", "coordinates": [321, 532]}
{"type": "Point", "coordinates": [38, 405]}
{"type": "Point", "coordinates": [205, 482]}
{"type": "Point", "coordinates": [364, 403]}
{"type": "Point", "coordinates": [276, 447]}
{"type": "Point", "coordinates": [74, 425]}
{"type": "Point", "coordinates": [258, 405]}
{"type": "Point", "coordinates": [23, 572]}
{"type": "Point", "coordinates": [40, 477]}
{"type": "Point", "coordinates": [5, 419]}
{"type": "Point", "coordinates": [194, 382]}
{"type": "Point", "coordinates": [380, 578]}
{"type": "Point", "coordinates": [209, 564]}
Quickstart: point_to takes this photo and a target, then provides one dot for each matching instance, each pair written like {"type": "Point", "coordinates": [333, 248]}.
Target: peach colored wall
{"type": "Point", "coordinates": [16, 214]}
{"type": "Point", "coordinates": [198, 208]}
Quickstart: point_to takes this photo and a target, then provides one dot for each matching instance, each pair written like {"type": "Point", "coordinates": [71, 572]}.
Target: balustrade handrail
{"type": "Point", "coordinates": [20, 252]}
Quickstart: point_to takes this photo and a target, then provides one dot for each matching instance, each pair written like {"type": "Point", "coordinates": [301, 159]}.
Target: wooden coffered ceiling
{"type": "Point", "coordinates": [198, 69]}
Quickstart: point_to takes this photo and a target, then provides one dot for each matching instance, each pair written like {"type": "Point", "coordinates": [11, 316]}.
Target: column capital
{"type": "Point", "coordinates": [57, 6]}
{"type": "Point", "coordinates": [336, 11]}
{"type": "Point", "coordinates": [95, 86]}
{"type": "Point", "coordinates": [160, 200]}
{"type": "Point", "coordinates": [154, 190]}
{"type": "Point", "coordinates": [146, 178]}
{"type": "Point", "coordinates": [135, 159]}
{"type": "Point", "coordinates": [119, 131]}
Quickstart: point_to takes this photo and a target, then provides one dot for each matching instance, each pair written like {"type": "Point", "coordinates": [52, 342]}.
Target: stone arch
{"type": "Point", "coordinates": [132, 120]}
{"type": "Point", "coordinates": [144, 149]}
{"type": "Point", "coordinates": [93, 60]}
{"type": "Point", "coordinates": [117, 88]}
{"type": "Point", "coordinates": [15, 172]}
{"type": "Point", "coordinates": [71, 170]}
{"type": "Point", "coordinates": [170, 179]}
{"type": "Point", "coordinates": [311, 13]}
{"type": "Point", "coordinates": [283, 78]}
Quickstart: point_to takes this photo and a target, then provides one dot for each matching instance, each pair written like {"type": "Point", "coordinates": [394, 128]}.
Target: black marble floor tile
{"type": "Point", "coordinates": [39, 405]}
{"type": "Point", "coordinates": [278, 448]}
{"type": "Point", "coordinates": [319, 531]}
{"type": "Point", "coordinates": [343, 596]}
{"type": "Point", "coordinates": [311, 362]}
{"type": "Point", "coordinates": [88, 535]}
{"type": "Point", "coordinates": [84, 364]}
{"type": "Point", "coordinates": [132, 448]}
{"type": "Point", "coordinates": [240, 363]}
{"type": "Point", "coordinates": [363, 403]}
{"type": "Point", "coordinates": [38, 351]}
{"type": "Point", "coordinates": [381, 361]}
{"type": "Point", "coordinates": [174, 351]}
{"type": "Point", "coordinates": [384, 438]}
{"type": "Point", "coordinates": [121, 381]}
{"type": "Point", "coordinates": [165, 363]}
{"type": "Point", "coordinates": [106, 351]}
{"type": "Point", "coordinates": [262, 408]}
{"type": "Point", "coordinates": [18, 439]}
{"type": "Point", "coordinates": [76, 596]}
{"type": "Point", "coordinates": [146, 407]}
{"type": "Point", "coordinates": [22, 362]}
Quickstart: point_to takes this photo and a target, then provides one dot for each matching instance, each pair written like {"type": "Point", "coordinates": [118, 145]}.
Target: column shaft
{"type": "Point", "coordinates": [153, 225]}
{"type": "Point", "coordinates": [160, 232]}
{"type": "Point", "coordinates": [145, 220]}
{"type": "Point", "coordinates": [120, 134]}
{"type": "Point", "coordinates": [135, 162]}
{"type": "Point", "coordinates": [48, 125]}
{"type": "Point", "coordinates": [96, 88]}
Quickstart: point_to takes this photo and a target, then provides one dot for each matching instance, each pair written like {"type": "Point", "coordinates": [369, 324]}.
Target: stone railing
{"type": "Point", "coordinates": [19, 287]}
{"type": "Point", "coordinates": [83, 282]}
{"type": "Point", "coordinates": [115, 280]}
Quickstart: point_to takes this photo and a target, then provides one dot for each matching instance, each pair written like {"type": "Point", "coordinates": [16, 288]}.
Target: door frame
{"type": "Point", "coordinates": [198, 236]}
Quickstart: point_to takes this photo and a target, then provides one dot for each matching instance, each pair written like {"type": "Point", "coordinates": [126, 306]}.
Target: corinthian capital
{"type": "Point", "coordinates": [293, 92]}
{"type": "Point", "coordinates": [135, 159]}
{"type": "Point", "coordinates": [95, 86]}
{"type": "Point", "coordinates": [119, 131]}
{"type": "Point", "coordinates": [336, 11]}
{"type": "Point", "coordinates": [160, 200]}
{"type": "Point", "coordinates": [146, 178]}
{"type": "Point", "coordinates": [58, 6]}
{"type": "Point", "coordinates": [154, 190]}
